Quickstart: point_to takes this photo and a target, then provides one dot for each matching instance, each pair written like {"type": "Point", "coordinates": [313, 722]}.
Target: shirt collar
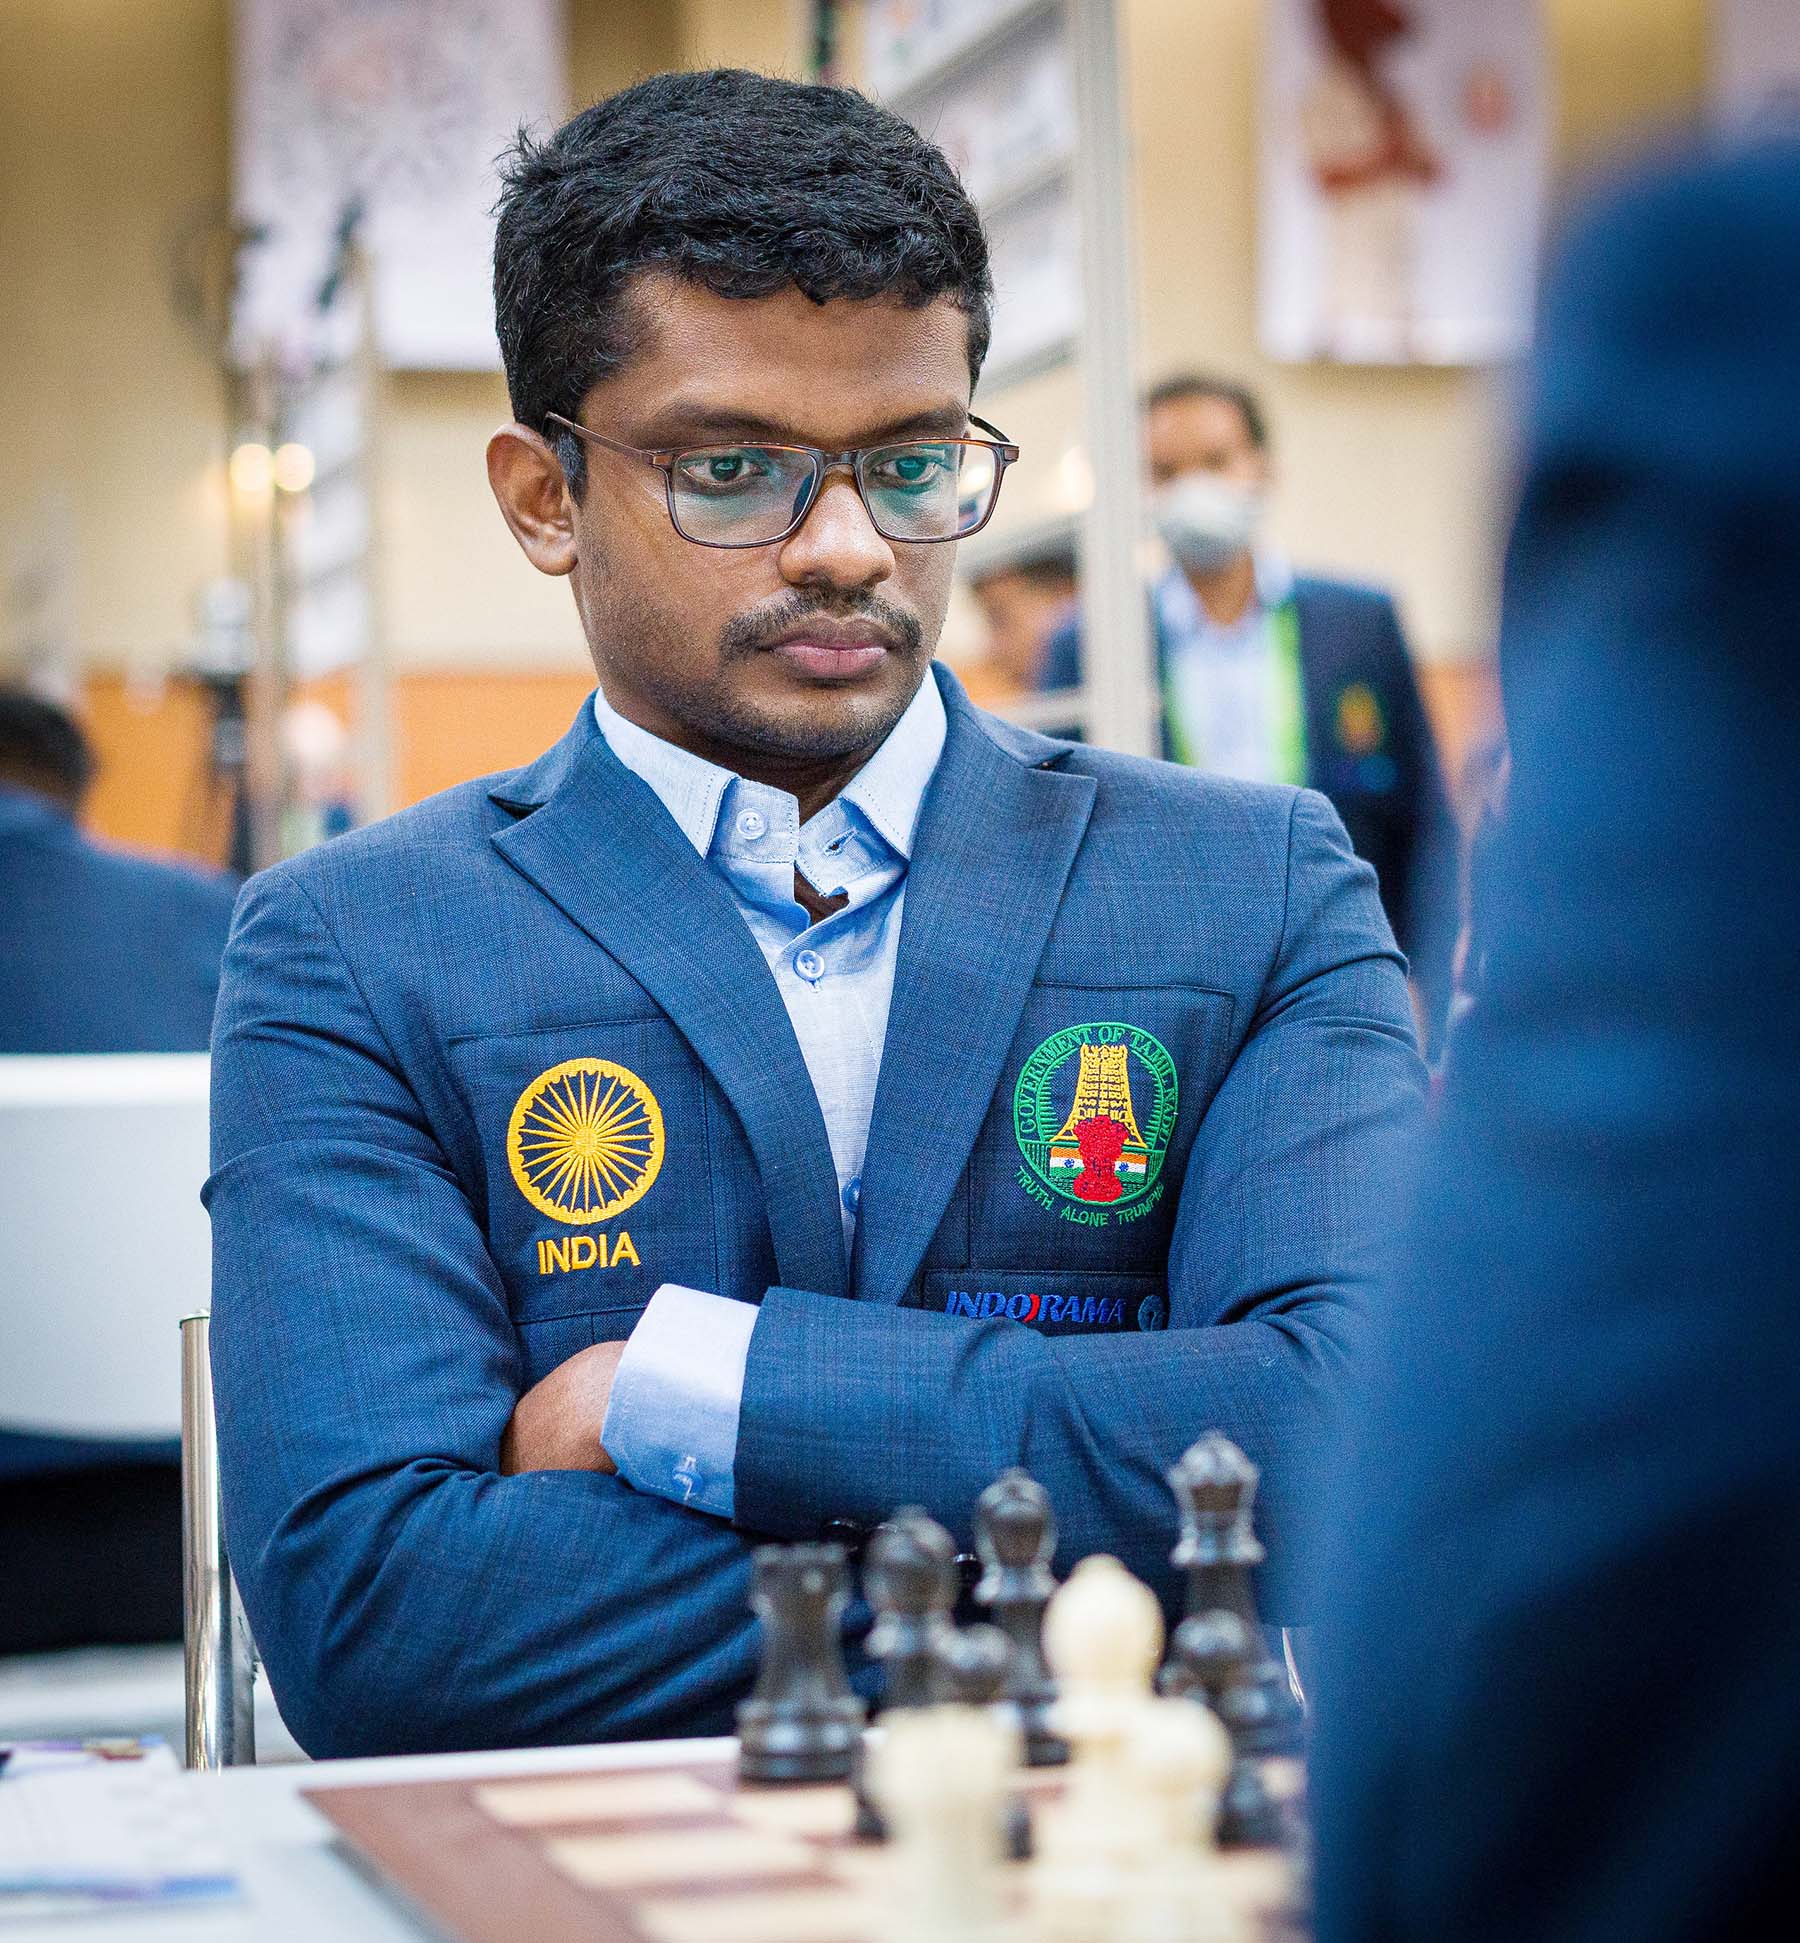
{"type": "Point", "coordinates": [1181, 606]}
{"type": "Point", "coordinates": [888, 792]}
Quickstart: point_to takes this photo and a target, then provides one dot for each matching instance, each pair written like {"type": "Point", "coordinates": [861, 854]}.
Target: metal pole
{"type": "Point", "coordinates": [1123, 710]}
{"type": "Point", "coordinates": [220, 1661]}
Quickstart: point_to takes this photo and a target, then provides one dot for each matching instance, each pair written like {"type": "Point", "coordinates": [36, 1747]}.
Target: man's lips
{"type": "Point", "coordinates": [832, 650]}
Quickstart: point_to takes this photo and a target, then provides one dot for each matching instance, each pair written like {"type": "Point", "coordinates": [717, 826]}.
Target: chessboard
{"type": "Point", "coordinates": [686, 1854]}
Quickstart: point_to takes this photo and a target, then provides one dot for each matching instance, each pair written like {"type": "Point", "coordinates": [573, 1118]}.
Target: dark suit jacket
{"type": "Point", "coordinates": [1561, 1695]}
{"type": "Point", "coordinates": [385, 1285]}
{"type": "Point", "coordinates": [100, 951]}
{"type": "Point", "coordinates": [1388, 788]}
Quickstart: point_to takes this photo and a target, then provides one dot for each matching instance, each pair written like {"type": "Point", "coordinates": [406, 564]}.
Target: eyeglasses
{"type": "Point", "coordinates": [918, 491]}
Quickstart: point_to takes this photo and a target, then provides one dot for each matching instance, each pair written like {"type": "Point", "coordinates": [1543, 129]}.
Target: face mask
{"type": "Point", "coordinates": [1205, 521]}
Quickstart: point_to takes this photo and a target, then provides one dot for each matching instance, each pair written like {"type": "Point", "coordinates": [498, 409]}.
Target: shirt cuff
{"type": "Point", "coordinates": [672, 1421]}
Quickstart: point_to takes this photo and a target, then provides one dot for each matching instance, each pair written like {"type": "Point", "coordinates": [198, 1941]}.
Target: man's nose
{"type": "Point", "coordinates": [837, 544]}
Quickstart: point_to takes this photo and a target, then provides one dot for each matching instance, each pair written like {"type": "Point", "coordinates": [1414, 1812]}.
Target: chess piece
{"type": "Point", "coordinates": [1103, 1634]}
{"type": "Point", "coordinates": [1213, 1659]}
{"type": "Point", "coordinates": [977, 1663]}
{"type": "Point", "coordinates": [1215, 1487]}
{"type": "Point", "coordinates": [939, 1775]}
{"type": "Point", "coordinates": [801, 1721]}
{"type": "Point", "coordinates": [909, 1575]}
{"type": "Point", "coordinates": [1179, 1758]}
{"type": "Point", "coordinates": [1015, 1533]}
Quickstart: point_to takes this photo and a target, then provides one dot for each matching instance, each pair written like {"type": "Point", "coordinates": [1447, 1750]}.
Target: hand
{"type": "Point", "coordinates": [555, 1425]}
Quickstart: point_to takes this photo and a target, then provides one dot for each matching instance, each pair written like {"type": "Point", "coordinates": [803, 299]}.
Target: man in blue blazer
{"type": "Point", "coordinates": [796, 1093]}
{"type": "Point", "coordinates": [100, 951]}
{"type": "Point", "coordinates": [1560, 1695]}
{"type": "Point", "coordinates": [1276, 676]}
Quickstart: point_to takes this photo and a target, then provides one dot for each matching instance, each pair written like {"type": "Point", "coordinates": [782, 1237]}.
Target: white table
{"type": "Point", "coordinates": [298, 1888]}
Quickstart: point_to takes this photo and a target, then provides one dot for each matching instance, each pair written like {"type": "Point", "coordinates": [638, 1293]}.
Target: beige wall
{"type": "Point", "coordinates": [114, 125]}
{"type": "Point", "coordinates": [1395, 475]}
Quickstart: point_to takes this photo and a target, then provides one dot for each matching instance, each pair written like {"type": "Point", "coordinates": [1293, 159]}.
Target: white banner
{"type": "Point", "coordinates": [400, 106]}
{"type": "Point", "coordinates": [1405, 156]}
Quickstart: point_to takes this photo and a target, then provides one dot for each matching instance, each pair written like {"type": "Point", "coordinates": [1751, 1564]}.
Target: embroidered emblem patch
{"type": "Point", "coordinates": [585, 1141]}
{"type": "Point", "coordinates": [1361, 726]}
{"type": "Point", "coordinates": [1092, 1112]}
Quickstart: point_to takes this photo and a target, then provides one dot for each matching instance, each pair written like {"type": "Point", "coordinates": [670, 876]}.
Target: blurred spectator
{"type": "Point", "coordinates": [1561, 1693]}
{"type": "Point", "coordinates": [100, 952]}
{"type": "Point", "coordinates": [1281, 677]}
{"type": "Point", "coordinates": [1026, 592]}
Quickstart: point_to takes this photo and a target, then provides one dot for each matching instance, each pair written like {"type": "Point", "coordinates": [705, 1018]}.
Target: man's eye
{"type": "Point", "coordinates": [923, 467]}
{"type": "Point", "coordinates": [715, 471]}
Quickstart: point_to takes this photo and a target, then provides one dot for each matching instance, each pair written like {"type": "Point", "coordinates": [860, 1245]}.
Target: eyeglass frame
{"type": "Point", "coordinates": [823, 462]}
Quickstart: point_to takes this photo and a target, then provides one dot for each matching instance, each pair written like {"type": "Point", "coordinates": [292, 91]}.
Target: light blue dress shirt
{"type": "Point", "coordinates": [671, 1425]}
{"type": "Point", "coordinates": [1221, 674]}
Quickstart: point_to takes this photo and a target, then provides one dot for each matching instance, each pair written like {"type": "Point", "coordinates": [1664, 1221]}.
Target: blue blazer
{"type": "Point", "coordinates": [100, 951]}
{"type": "Point", "coordinates": [1560, 1697]}
{"type": "Point", "coordinates": [384, 1288]}
{"type": "Point", "coordinates": [1389, 790]}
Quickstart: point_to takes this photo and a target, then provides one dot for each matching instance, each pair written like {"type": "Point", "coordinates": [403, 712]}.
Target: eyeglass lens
{"type": "Point", "coordinates": [746, 495]}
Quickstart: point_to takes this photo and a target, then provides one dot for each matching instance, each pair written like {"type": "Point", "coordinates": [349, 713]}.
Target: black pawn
{"type": "Point", "coordinates": [1215, 1488]}
{"type": "Point", "coordinates": [1015, 1533]}
{"type": "Point", "coordinates": [909, 1578]}
{"type": "Point", "coordinates": [1213, 1659]}
{"type": "Point", "coordinates": [801, 1722]}
{"type": "Point", "coordinates": [978, 1662]}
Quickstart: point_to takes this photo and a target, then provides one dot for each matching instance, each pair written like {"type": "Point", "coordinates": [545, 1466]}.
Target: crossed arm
{"type": "Point", "coordinates": [407, 1593]}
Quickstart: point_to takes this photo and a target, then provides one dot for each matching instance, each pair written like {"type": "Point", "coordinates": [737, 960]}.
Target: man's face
{"type": "Point", "coordinates": [1203, 435]}
{"type": "Point", "coordinates": [808, 649]}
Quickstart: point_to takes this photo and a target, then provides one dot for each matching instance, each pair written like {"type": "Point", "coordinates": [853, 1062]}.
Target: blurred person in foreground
{"type": "Point", "coordinates": [1271, 675]}
{"type": "Point", "coordinates": [100, 952]}
{"type": "Point", "coordinates": [1561, 1693]}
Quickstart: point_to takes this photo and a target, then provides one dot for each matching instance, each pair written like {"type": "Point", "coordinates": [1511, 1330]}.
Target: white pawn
{"type": "Point", "coordinates": [939, 1775]}
{"type": "Point", "coordinates": [1103, 1635]}
{"type": "Point", "coordinates": [1180, 1757]}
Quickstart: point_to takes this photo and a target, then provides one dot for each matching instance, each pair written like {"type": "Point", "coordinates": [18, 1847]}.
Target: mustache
{"type": "Point", "coordinates": [748, 634]}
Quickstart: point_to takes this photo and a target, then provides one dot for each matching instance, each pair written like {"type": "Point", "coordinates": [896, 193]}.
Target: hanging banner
{"type": "Point", "coordinates": [385, 116]}
{"type": "Point", "coordinates": [1405, 159]}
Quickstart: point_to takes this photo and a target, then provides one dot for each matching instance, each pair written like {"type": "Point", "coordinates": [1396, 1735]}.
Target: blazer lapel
{"type": "Point", "coordinates": [598, 843]}
{"type": "Point", "coordinates": [994, 848]}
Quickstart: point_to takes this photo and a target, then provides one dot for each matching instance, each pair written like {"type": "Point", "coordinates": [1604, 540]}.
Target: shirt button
{"type": "Point", "coordinates": [810, 966]}
{"type": "Point", "coordinates": [853, 1194]}
{"type": "Point", "coordinates": [751, 824]}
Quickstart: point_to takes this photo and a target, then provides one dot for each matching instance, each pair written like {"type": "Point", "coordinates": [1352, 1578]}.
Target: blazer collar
{"type": "Point", "coordinates": [997, 838]}
{"type": "Point", "coordinates": [596, 841]}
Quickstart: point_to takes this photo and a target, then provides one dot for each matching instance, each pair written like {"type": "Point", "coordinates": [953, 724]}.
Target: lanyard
{"type": "Point", "coordinates": [1286, 702]}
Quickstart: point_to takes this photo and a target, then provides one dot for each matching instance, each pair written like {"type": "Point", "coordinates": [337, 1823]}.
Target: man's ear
{"type": "Point", "coordinates": [527, 478]}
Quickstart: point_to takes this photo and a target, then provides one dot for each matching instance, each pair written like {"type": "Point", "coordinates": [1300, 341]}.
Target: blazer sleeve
{"type": "Point", "coordinates": [853, 1408]}
{"type": "Point", "coordinates": [403, 1595]}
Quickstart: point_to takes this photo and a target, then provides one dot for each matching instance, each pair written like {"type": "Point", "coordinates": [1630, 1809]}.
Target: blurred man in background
{"type": "Point", "coordinates": [1274, 676]}
{"type": "Point", "coordinates": [1026, 593]}
{"type": "Point", "coordinates": [1559, 1694]}
{"type": "Point", "coordinates": [100, 952]}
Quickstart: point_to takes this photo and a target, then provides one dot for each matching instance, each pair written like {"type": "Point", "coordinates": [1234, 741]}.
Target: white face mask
{"type": "Point", "coordinates": [1206, 521]}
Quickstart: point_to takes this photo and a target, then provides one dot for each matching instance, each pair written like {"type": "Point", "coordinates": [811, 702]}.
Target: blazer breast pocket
{"type": "Point", "coordinates": [1080, 1161]}
{"type": "Point", "coordinates": [596, 1146]}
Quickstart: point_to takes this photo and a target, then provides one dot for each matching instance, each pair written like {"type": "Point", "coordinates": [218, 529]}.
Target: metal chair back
{"type": "Point", "coordinates": [220, 1660]}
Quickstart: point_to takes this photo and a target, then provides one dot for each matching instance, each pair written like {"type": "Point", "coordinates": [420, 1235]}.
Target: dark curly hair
{"type": "Point", "coordinates": [737, 182]}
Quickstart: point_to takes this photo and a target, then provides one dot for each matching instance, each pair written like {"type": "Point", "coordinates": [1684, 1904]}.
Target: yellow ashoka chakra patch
{"type": "Point", "coordinates": [585, 1141]}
